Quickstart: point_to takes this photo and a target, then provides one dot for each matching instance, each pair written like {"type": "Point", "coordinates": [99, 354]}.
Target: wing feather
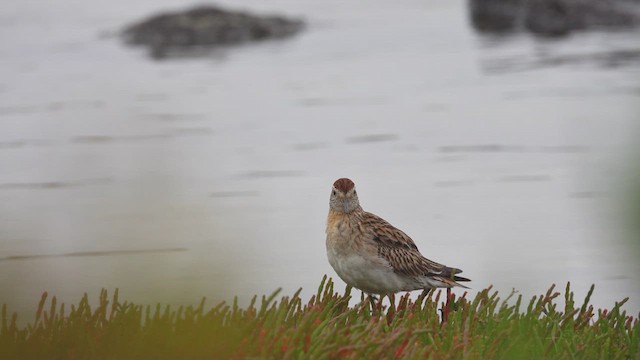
{"type": "Point", "coordinates": [399, 250]}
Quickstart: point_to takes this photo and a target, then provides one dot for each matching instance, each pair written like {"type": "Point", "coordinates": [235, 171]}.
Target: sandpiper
{"type": "Point", "coordinates": [372, 255]}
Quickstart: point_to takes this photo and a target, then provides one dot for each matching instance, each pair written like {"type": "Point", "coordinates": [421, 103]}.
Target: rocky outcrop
{"type": "Point", "coordinates": [203, 28]}
{"type": "Point", "coordinates": [495, 16]}
{"type": "Point", "coordinates": [553, 17]}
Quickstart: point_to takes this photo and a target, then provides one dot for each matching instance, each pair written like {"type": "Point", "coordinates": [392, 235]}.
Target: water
{"type": "Point", "coordinates": [211, 177]}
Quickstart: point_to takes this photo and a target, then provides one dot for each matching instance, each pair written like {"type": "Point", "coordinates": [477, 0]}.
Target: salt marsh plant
{"type": "Point", "coordinates": [434, 325]}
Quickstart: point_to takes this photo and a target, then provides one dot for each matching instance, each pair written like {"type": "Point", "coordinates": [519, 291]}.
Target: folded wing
{"type": "Point", "coordinates": [399, 250]}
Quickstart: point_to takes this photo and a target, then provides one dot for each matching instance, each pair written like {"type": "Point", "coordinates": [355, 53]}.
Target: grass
{"type": "Point", "coordinates": [326, 327]}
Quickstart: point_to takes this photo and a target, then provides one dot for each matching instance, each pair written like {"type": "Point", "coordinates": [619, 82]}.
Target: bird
{"type": "Point", "coordinates": [370, 254]}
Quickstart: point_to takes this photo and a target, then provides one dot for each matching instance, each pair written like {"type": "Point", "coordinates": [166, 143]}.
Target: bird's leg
{"type": "Point", "coordinates": [392, 301]}
{"type": "Point", "coordinates": [372, 301]}
{"type": "Point", "coordinates": [379, 306]}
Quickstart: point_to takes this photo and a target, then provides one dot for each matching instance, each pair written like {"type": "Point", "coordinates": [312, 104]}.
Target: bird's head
{"type": "Point", "coordinates": [343, 196]}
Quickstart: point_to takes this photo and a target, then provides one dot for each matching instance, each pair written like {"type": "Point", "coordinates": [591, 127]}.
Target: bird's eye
{"type": "Point", "coordinates": [354, 192]}
{"type": "Point", "coordinates": [334, 192]}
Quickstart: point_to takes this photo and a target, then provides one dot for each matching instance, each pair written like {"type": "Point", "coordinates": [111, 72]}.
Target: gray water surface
{"type": "Point", "coordinates": [211, 176]}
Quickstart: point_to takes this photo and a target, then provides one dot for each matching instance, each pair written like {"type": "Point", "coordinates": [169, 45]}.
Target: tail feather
{"type": "Point", "coordinates": [451, 273]}
{"type": "Point", "coordinates": [449, 282]}
{"type": "Point", "coordinates": [453, 279]}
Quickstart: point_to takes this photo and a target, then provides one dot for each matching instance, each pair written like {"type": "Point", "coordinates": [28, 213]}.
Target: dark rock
{"type": "Point", "coordinates": [495, 15]}
{"type": "Point", "coordinates": [206, 27]}
{"type": "Point", "coordinates": [552, 17]}
{"type": "Point", "coordinates": [547, 17]}
{"type": "Point", "coordinates": [604, 14]}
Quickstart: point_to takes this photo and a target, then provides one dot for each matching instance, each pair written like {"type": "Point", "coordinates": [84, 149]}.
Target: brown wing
{"type": "Point", "coordinates": [402, 253]}
{"type": "Point", "coordinates": [387, 235]}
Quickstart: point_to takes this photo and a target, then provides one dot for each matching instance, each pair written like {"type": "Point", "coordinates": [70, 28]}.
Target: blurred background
{"type": "Point", "coordinates": [510, 155]}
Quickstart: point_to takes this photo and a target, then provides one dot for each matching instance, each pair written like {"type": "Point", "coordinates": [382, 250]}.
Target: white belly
{"type": "Point", "coordinates": [369, 275]}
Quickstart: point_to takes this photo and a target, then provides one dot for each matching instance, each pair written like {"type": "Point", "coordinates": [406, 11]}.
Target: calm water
{"type": "Point", "coordinates": [211, 177]}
